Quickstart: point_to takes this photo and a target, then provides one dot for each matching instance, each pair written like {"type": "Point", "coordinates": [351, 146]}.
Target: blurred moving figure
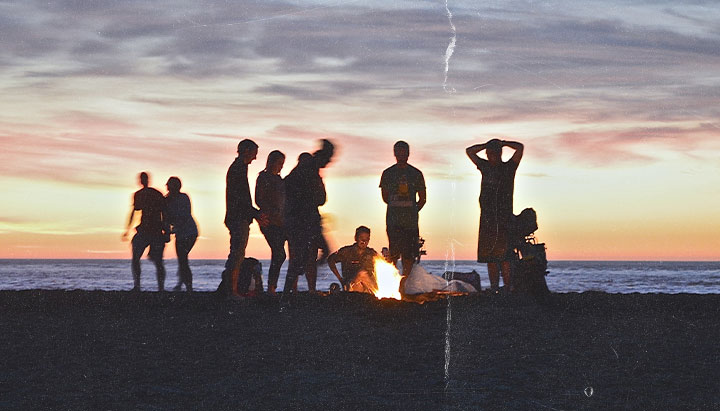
{"type": "Point", "coordinates": [151, 232]}
{"type": "Point", "coordinates": [181, 223]}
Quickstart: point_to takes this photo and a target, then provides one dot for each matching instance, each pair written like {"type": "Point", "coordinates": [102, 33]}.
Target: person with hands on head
{"type": "Point", "coordinates": [496, 207]}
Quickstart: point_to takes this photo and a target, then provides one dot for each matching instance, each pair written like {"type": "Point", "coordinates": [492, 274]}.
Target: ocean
{"type": "Point", "coordinates": [565, 276]}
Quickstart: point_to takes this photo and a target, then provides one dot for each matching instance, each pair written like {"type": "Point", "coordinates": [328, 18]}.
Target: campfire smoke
{"type": "Point", "coordinates": [388, 280]}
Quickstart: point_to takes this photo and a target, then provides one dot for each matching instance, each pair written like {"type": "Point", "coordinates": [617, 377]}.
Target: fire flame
{"type": "Point", "coordinates": [388, 280]}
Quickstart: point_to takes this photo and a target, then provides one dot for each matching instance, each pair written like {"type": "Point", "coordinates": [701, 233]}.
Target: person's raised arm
{"type": "Point", "coordinates": [472, 153]}
{"type": "Point", "coordinates": [518, 147]}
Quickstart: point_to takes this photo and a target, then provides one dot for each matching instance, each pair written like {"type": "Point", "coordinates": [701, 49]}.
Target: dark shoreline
{"type": "Point", "coordinates": [118, 350]}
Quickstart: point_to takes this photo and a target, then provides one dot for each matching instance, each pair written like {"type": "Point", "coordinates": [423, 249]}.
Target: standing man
{"type": "Point", "coordinates": [239, 213]}
{"type": "Point", "coordinates": [151, 232]}
{"type": "Point", "coordinates": [403, 190]}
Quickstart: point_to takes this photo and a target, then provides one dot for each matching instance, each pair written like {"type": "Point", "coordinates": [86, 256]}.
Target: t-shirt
{"type": "Point", "coordinates": [238, 204]}
{"type": "Point", "coordinates": [304, 193]}
{"type": "Point", "coordinates": [180, 217]}
{"type": "Point", "coordinates": [270, 196]}
{"type": "Point", "coordinates": [353, 261]}
{"type": "Point", "coordinates": [402, 185]}
{"type": "Point", "coordinates": [152, 204]}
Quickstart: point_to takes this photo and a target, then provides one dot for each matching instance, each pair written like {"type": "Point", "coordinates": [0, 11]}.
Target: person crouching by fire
{"type": "Point", "coordinates": [357, 263]}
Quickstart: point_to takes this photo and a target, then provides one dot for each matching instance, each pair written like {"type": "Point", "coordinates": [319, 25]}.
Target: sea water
{"type": "Point", "coordinates": [563, 276]}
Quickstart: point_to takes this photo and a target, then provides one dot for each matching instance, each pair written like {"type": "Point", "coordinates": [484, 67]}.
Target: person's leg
{"type": "Point", "coordinates": [297, 248]}
{"type": "Point", "coordinates": [408, 240]}
{"type": "Point", "coordinates": [139, 244]}
{"type": "Point", "coordinates": [506, 275]}
{"type": "Point", "coordinates": [183, 247]}
{"type": "Point", "coordinates": [311, 270]}
{"type": "Point", "coordinates": [238, 243]}
{"type": "Point", "coordinates": [494, 274]}
{"type": "Point", "coordinates": [393, 246]}
{"type": "Point", "coordinates": [157, 246]}
{"type": "Point", "coordinates": [275, 237]}
{"type": "Point", "coordinates": [178, 253]}
{"type": "Point", "coordinates": [242, 235]}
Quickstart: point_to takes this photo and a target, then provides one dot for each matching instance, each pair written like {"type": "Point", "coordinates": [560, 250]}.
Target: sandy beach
{"type": "Point", "coordinates": [117, 350]}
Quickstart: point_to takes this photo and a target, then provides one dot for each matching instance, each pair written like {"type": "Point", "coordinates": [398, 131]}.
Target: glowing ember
{"type": "Point", "coordinates": [388, 280]}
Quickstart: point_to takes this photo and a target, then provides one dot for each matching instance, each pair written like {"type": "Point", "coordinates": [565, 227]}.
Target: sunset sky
{"type": "Point", "coordinates": [617, 103]}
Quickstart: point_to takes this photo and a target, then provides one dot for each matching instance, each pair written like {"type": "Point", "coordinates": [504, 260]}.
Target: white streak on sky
{"type": "Point", "coordinates": [450, 49]}
{"type": "Point", "coordinates": [449, 266]}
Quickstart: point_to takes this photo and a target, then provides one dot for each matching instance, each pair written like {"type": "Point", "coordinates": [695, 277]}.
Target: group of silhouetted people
{"type": "Point", "coordinates": [288, 211]}
{"type": "Point", "coordinates": [160, 217]}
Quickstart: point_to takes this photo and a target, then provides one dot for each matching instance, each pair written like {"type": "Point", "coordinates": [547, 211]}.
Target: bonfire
{"type": "Point", "coordinates": [388, 280]}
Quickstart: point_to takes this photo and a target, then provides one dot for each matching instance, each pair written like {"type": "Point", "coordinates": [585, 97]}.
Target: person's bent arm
{"type": "Point", "coordinates": [331, 260]}
{"type": "Point", "coordinates": [472, 153]}
{"type": "Point", "coordinates": [385, 195]}
{"type": "Point", "coordinates": [422, 199]}
{"type": "Point", "coordinates": [518, 147]}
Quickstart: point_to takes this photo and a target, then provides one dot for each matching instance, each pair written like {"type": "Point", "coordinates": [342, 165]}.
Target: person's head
{"type": "Point", "coordinates": [362, 237]}
{"type": "Point", "coordinates": [493, 149]}
{"type": "Point", "coordinates": [325, 154]}
{"type": "Point", "coordinates": [144, 179]}
{"type": "Point", "coordinates": [401, 150]}
{"type": "Point", "coordinates": [275, 162]}
{"type": "Point", "coordinates": [247, 150]}
{"type": "Point", "coordinates": [173, 185]}
{"type": "Point", "coordinates": [304, 158]}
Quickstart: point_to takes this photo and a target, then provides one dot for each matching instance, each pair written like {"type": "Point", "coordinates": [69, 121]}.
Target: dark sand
{"type": "Point", "coordinates": [116, 350]}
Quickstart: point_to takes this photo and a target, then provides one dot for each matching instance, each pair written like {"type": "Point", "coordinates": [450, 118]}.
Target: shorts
{"type": "Point", "coordinates": [403, 242]}
{"type": "Point", "coordinates": [141, 241]}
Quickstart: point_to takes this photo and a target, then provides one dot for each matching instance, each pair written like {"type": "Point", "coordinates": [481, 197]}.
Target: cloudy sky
{"type": "Point", "coordinates": [616, 103]}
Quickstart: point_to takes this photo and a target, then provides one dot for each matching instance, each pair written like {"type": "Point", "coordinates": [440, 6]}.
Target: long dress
{"type": "Point", "coordinates": [496, 211]}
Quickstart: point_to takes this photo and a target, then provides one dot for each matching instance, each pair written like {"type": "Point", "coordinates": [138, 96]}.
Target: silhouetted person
{"type": "Point", "coordinates": [496, 207]}
{"type": "Point", "coordinates": [250, 280]}
{"type": "Point", "coordinates": [151, 232]}
{"type": "Point", "coordinates": [403, 190]}
{"type": "Point", "coordinates": [357, 262]}
{"type": "Point", "coordinates": [304, 193]}
{"type": "Point", "coordinates": [239, 213]}
{"type": "Point", "coordinates": [182, 224]}
{"type": "Point", "coordinates": [270, 198]}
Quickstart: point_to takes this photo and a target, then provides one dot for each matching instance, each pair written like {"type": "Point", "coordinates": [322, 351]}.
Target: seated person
{"type": "Point", "coordinates": [250, 282]}
{"type": "Point", "coordinates": [357, 262]}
